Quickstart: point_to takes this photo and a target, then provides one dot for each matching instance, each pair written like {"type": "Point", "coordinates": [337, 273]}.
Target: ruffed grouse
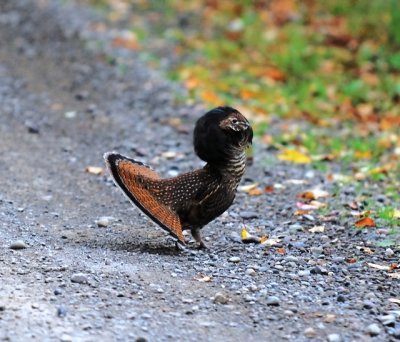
{"type": "Point", "coordinates": [193, 199]}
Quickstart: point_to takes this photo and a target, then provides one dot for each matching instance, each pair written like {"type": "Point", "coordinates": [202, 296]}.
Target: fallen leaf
{"type": "Point", "coordinates": [367, 250]}
{"type": "Point", "coordinates": [202, 278]}
{"type": "Point", "coordinates": [301, 212]}
{"type": "Point", "coordinates": [255, 192]}
{"type": "Point", "coordinates": [248, 238]}
{"type": "Point", "coordinates": [127, 43]}
{"type": "Point", "coordinates": [365, 222]}
{"type": "Point", "coordinates": [313, 194]}
{"type": "Point", "coordinates": [294, 156]}
{"type": "Point", "coordinates": [394, 275]}
{"type": "Point", "coordinates": [379, 267]}
{"type": "Point", "coordinates": [396, 213]}
{"type": "Point", "coordinates": [317, 229]}
{"type": "Point", "coordinates": [269, 188]}
{"type": "Point", "coordinates": [271, 242]}
{"type": "Point", "coordinates": [394, 300]}
{"type": "Point", "coordinates": [94, 170]}
{"type": "Point", "coordinates": [313, 205]}
{"type": "Point", "coordinates": [297, 181]}
{"type": "Point", "coordinates": [281, 251]}
{"type": "Point", "coordinates": [351, 260]}
{"type": "Point", "coordinates": [248, 188]}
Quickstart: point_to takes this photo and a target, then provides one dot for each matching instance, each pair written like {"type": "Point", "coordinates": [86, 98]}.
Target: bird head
{"type": "Point", "coordinates": [221, 132]}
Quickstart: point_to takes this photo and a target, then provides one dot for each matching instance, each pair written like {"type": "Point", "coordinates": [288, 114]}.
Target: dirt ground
{"type": "Point", "coordinates": [92, 267]}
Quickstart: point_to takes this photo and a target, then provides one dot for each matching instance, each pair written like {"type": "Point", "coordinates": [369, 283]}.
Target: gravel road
{"type": "Point", "coordinates": [79, 263]}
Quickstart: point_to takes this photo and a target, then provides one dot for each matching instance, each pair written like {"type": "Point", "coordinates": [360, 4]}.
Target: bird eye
{"type": "Point", "coordinates": [235, 121]}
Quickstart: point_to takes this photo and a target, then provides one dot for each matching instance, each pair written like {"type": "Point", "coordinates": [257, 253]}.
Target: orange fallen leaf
{"type": "Point", "coordinates": [281, 250]}
{"type": "Point", "coordinates": [294, 156]}
{"type": "Point", "coordinates": [127, 43]}
{"type": "Point", "coordinates": [211, 97]}
{"type": "Point", "coordinates": [301, 212]}
{"type": "Point", "coordinates": [313, 194]}
{"type": "Point", "coordinates": [351, 260]}
{"type": "Point", "coordinates": [255, 192]}
{"type": "Point", "coordinates": [365, 222]}
{"type": "Point", "coordinates": [94, 170]}
{"type": "Point", "coordinates": [269, 188]}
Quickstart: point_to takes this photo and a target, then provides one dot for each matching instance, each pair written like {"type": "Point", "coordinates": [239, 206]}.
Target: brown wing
{"type": "Point", "coordinates": [141, 184]}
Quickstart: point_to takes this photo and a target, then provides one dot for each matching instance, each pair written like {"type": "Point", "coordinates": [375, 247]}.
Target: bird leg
{"type": "Point", "coordinates": [196, 235]}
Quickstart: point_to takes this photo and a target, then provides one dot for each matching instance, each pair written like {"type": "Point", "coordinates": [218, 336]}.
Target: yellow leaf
{"type": "Point", "coordinates": [245, 234]}
{"type": "Point", "coordinates": [396, 213]}
{"type": "Point", "coordinates": [294, 156]}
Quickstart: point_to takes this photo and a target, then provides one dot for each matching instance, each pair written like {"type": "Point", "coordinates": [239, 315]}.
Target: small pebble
{"type": "Point", "coordinates": [388, 319]}
{"type": "Point", "coordinates": [389, 252]}
{"type": "Point", "coordinates": [79, 278]}
{"type": "Point", "coordinates": [234, 259]}
{"type": "Point", "coordinates": [58, 292]}
{"type": "Point", "coordinates": [273, 301]}
{"type": "Point", "coordinates": [61, 311]}
{"type": "Point", "coordinates": [310, 332]}
{"type": "Point", "coordinates": [19, 244]}
{"type": "Point", "coordinates": [103, 221]}
{"type": "Point", "coordinates": [66, 338]}
{"type": "Point", "coordinates": [373, 329]}
{"type": "Point", "coordinates": [220, 298]}
{"type": "Point", "coordinates": [334, 338]}
{"type": "Point", "coordinates": [341, 299]}
{"type": "Point", "coordinates": [251, 272]}
{"type": "Point", "coordinates": [248, 215]}
{"type": "Point", "coordinates": [303, 273]}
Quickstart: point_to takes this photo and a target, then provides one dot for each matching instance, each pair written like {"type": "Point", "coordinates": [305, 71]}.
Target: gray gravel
{"type": "Point", "coordinates": [67, 96]}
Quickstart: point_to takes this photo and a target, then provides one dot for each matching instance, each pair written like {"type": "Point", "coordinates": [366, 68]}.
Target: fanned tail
{"type": "Point", "coordinates": [134, 179]}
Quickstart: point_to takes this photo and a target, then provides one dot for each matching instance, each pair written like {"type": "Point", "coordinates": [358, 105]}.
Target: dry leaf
{"type": "Point", "coordinates": [94, 170]}
{"type": "Point", "coordinates": [271, 242]}
{"type": "Point", "coordinates": [351, 260]}
{"type": "Point", "coordinates": [269, 188]}
{"type": "Point", "coordinates": [317, 229]}
{"type": "Point", "coordinates": [365, 222]}
{"type": "Point", "coordinates": [127, 43]}
{"type": "Point", "coordinates": [202, 278]}
{"type": "Point", "coordinates": [313, 205]}
{"type": "Point", "coordinates": [248, 238]}
{"type": "Point", "coordinates": [394, 300]}
{"type": "Point", "coordinates": [394, 275]}
{"type": "Point", "coordinates": [301, 212]}
{"type": "Point", "coordinates": [379, 267]}
{"type": "Point", "coordinates": [294, 156]}
{"type": "Point", "coordinates": [281, 251]}
{"type": "Point", "coordinates": [297, 181]}
{"type": "Point", "coordinates": [255, 192]}
{"type": "Point", "coordinates": [313, 194]}
{"type": "Point", "coordinates": [248, 188]}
